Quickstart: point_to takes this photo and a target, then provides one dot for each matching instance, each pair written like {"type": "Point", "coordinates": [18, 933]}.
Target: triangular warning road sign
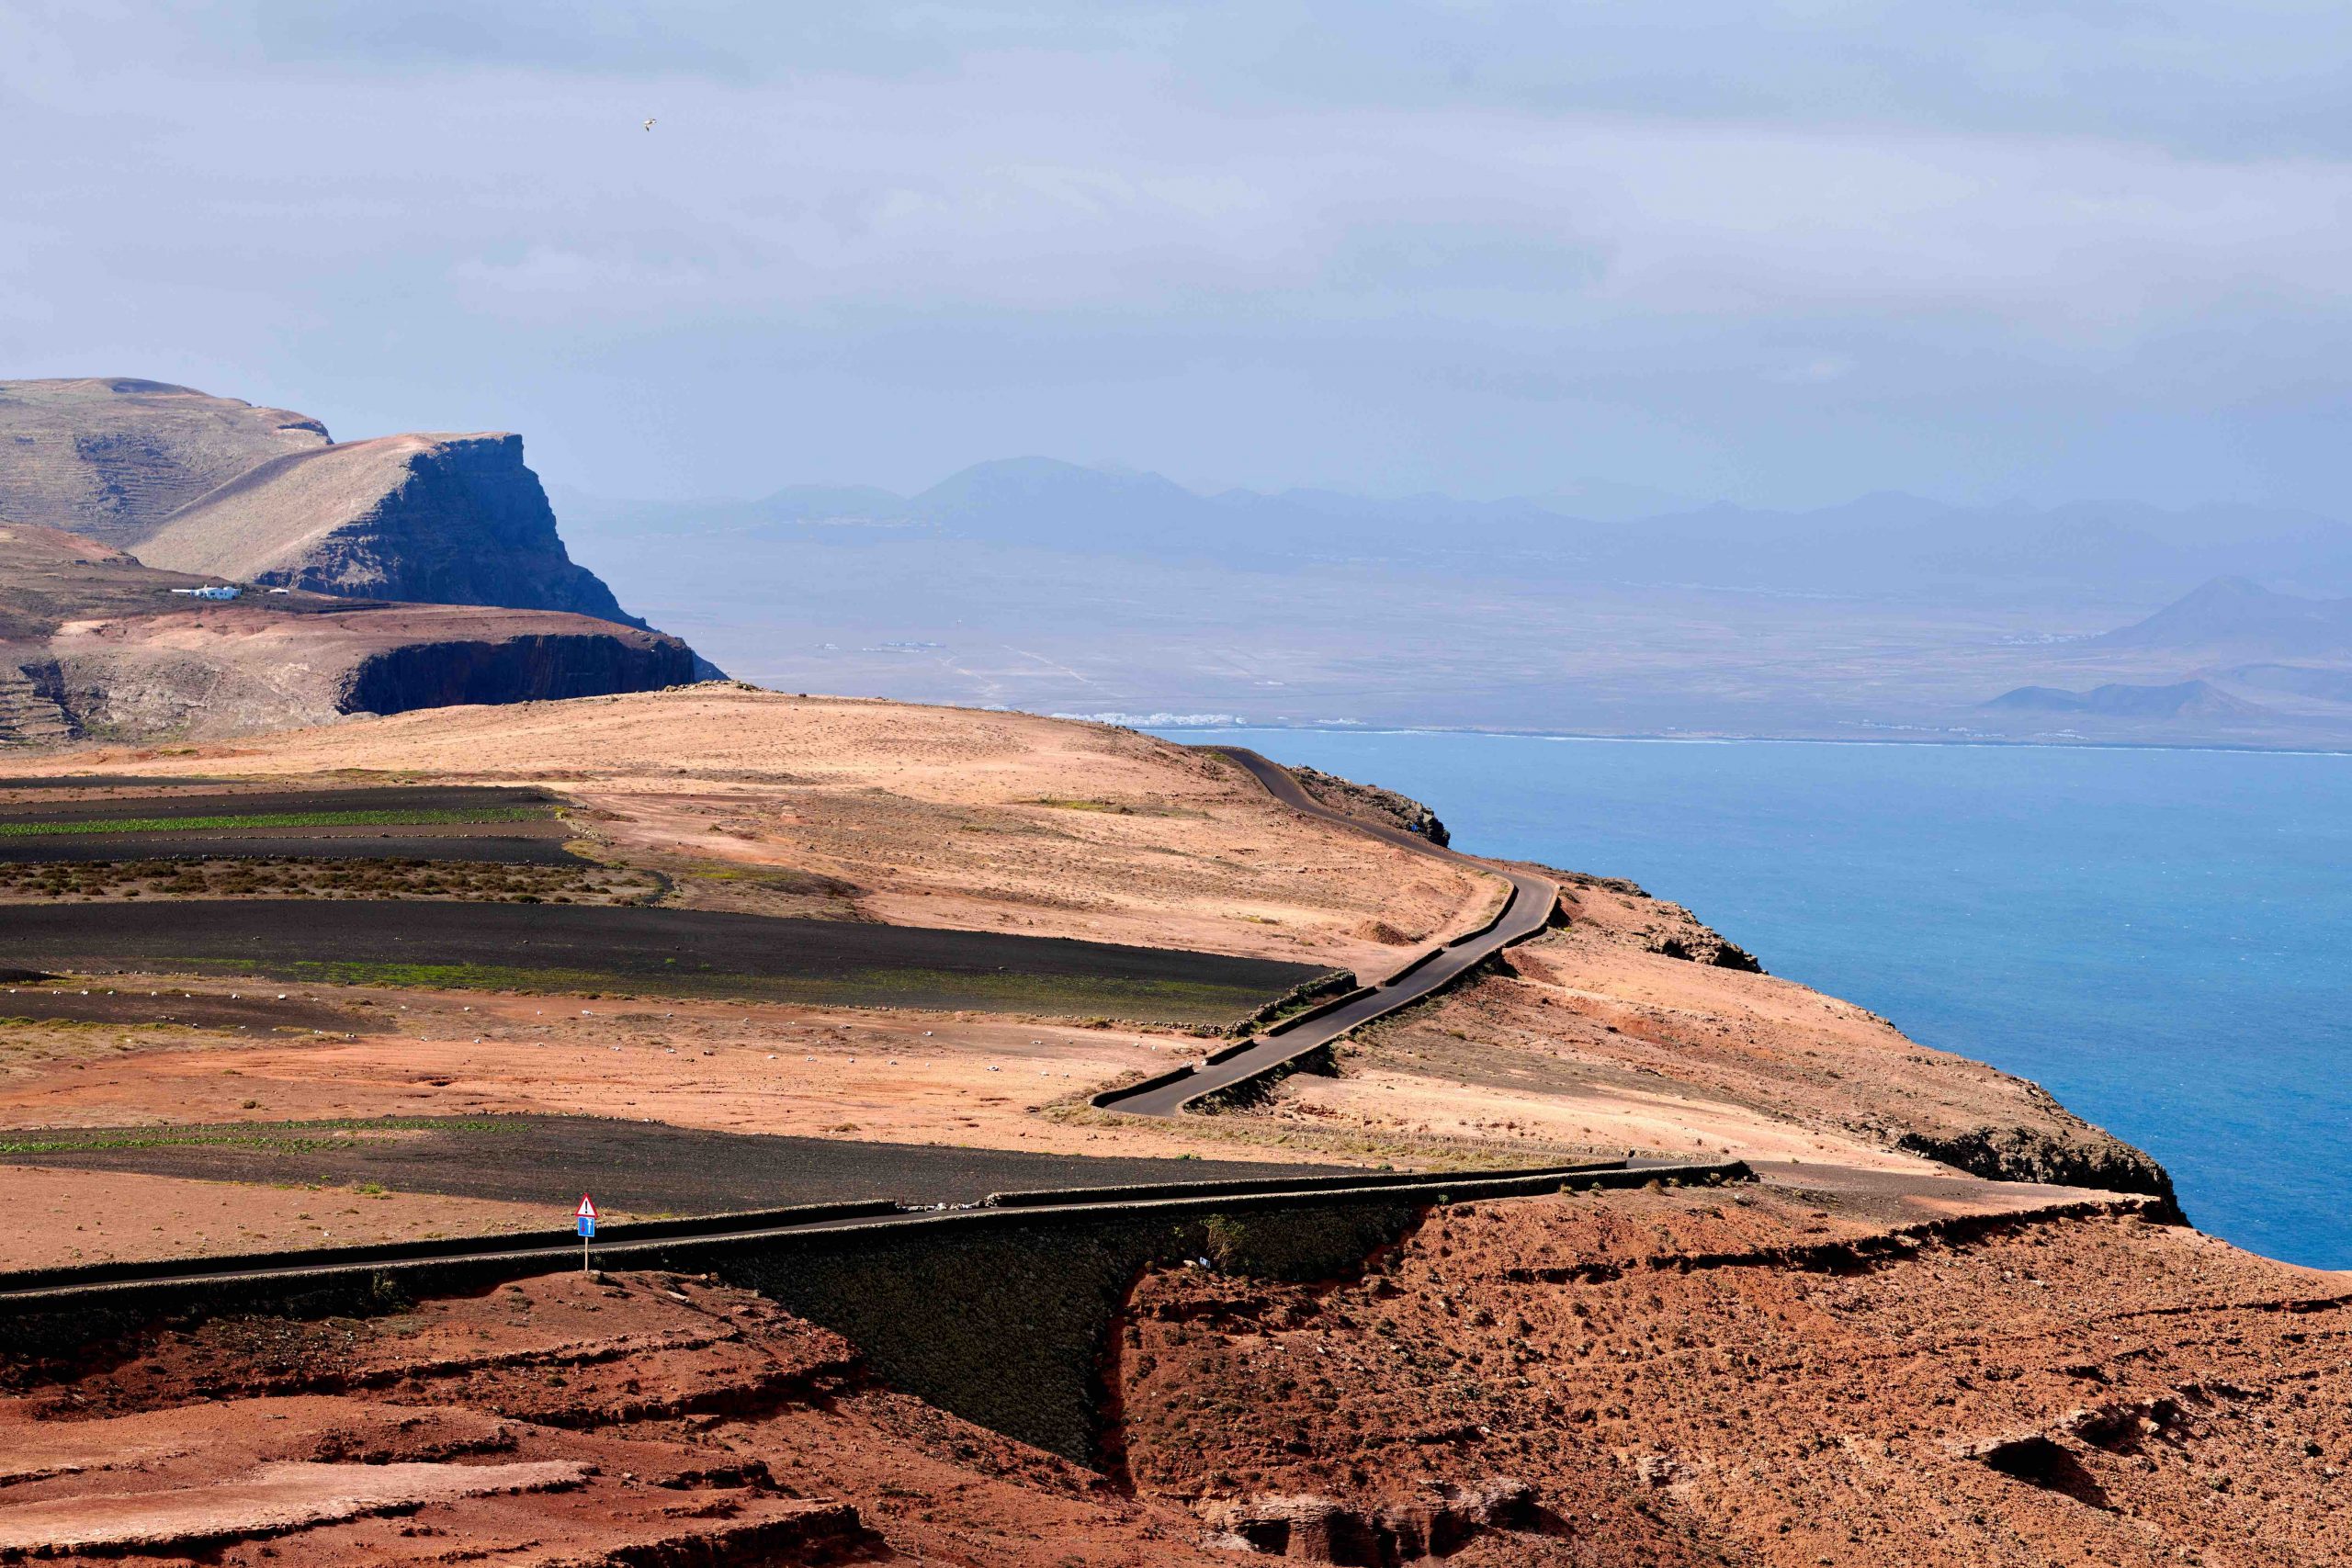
{"type": "Point", "coordinates": [587, 1209]}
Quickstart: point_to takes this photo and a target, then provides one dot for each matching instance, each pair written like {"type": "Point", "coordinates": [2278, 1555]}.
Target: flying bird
{"type": "Point", "coordinates": [649, 125]}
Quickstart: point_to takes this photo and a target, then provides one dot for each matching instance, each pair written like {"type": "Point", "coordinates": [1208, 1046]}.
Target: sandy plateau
{"type": "Point", "coordinates": [1950, 1323]}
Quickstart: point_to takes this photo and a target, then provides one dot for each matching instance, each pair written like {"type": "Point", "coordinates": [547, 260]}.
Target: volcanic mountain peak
{"type": "Point", "coordinates": [2235, 613]}
{"type": "Point", "coordinates": [1048, 499]}
{"type": "Point", "coordinates": [2183, 699]}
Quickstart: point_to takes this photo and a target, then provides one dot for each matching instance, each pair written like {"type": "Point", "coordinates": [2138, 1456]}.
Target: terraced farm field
{"type": "Point", "coordinates": [578, 948]}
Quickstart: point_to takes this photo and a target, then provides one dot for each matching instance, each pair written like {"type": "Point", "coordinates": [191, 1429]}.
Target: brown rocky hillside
{"type": "Point", "coordinates": [111, 457]}
{"type": "Point", "coordinates": [195, 483]}
{"type": "Point", "coordinates": [94, 645]}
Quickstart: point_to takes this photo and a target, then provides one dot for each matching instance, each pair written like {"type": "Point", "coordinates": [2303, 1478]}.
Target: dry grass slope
{"type": "Point", "coordinates": [112, 456]}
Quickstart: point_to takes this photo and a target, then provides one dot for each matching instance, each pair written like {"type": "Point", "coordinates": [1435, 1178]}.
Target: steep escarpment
{"type": "Point", "coordinates": [524, 665]}
{"type": "Point", "coordinates": [93, 645]}
{"type": "Point", "coordinates": [229, 671]}
{"type": "Point", "coordinates": [218, 488]}
{"type": "Point", "coordinates": [433, 519]}
{"type": "Point", "coordinates": [111, 457]}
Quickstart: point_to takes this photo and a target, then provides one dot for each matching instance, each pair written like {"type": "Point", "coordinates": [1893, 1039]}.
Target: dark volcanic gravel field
{"type": "Point", "coordinates": [537, 840]}
{"type": "Point", "coordinates": [501, 844]}
{"type": "Point", "coordinates": [576, 948]}
{"type": "Point", "coordinates": [643, 1167]}
{"type": "Point", "coordinates": [218, 802]}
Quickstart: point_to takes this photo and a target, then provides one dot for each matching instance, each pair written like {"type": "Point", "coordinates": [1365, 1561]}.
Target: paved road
{"type": "Point", "coordinates": [628, 1246]}
{"type": "Point", "coordinates": [1528, 910]}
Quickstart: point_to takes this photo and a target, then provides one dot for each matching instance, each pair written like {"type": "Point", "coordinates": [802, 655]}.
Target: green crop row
{"type": "Point", "coordinates": [279, 1137]}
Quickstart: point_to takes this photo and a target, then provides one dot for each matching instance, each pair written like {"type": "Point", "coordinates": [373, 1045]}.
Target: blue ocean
{"type": "Point", "coordinates": [2163, 939]}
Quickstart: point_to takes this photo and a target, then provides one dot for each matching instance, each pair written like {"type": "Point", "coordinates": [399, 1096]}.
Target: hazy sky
{"type": "Point", "coordinates": [1778, 253]}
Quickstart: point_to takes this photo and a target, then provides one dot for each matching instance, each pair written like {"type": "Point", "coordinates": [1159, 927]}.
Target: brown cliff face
{"type": "Point", "coordinates": [218, 488]}
{"type": "Point", "coordinates": [526, 665]}
{"type": "Point", "coordinates": [93, 645]}
{"type": "Point", "coordinates": [432, 519]}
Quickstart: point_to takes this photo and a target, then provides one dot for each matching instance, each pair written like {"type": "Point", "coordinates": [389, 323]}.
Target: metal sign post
{"type": "Point", "coordinates": [586, 1215]}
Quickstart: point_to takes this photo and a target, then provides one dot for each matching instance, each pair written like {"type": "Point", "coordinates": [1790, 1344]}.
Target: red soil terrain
{"type": "Point", "coordinates": [564, 1420]}
{"type": "Point", "coordinates": [1827, 1369]}
{"type": "Point", "coordinates": [1775, 1376]}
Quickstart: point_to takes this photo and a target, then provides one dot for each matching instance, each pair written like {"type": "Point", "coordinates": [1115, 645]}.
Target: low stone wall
{"type": "Point", "coordinates": [1321, 986]}
{"type": "Point", "coordinates": [1322, 1060]}
{"type": "Point", "coordinates": [1318, 1010]}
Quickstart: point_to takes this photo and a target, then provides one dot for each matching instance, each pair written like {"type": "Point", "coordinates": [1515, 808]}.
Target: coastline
{"type": "Point", "coordinates": [2141, 948]}
{"type": "Point", "coordinates": [1656, 738]}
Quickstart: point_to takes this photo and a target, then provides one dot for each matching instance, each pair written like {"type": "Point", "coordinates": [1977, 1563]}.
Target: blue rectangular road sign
{"type": "Point", "coordinates": [587, 1226]}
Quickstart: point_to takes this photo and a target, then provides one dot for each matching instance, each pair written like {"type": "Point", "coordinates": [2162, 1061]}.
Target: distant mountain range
{"type": "Point", "coordinates": [1882, 545]}
{"type": "Point", "coordinates": [1036, 583]}
{"type": "Point", "coordinates": [2230, 637]}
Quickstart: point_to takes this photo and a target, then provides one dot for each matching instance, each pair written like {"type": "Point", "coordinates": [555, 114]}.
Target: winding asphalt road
{"type": "Point", "coordinates": [1528, 911]}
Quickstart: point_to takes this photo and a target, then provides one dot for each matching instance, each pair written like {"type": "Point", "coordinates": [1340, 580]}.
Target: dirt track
{"type": "Point", "coordinates": [664, 951]}
{"type": "Point", "coordinates": [637, 1167]}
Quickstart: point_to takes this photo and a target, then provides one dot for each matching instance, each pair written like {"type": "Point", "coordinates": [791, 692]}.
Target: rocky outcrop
{"type": "Point", "coordinates": [30, 714]}
{"type": "Point", "coordinates": [1369, 803]}
{"type": "Point", "coordinates": [1667, 930]}
{"type": "Point", "coordinates": [1438, 1522]}
{"type": "Point", "coordinates": [431, 519]}
{"type": "Point", "coordinates": [2093, 1158]}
